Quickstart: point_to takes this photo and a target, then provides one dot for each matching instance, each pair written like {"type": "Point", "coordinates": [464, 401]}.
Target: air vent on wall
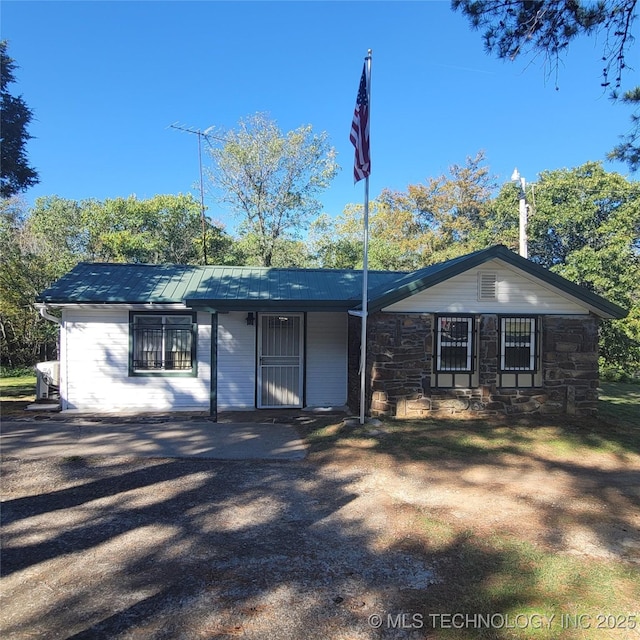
{"type": "Point", "coordinates": [487, 285]}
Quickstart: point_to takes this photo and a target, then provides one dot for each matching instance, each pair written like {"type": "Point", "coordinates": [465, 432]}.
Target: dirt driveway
{"type": "Point", "coordinates": [125, 548]}
{"type": "Point", "coordinates": [190, 549]}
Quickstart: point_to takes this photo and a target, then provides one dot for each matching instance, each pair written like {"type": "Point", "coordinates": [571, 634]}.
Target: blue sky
{"type": "Point", "coordinates": [106, 79]}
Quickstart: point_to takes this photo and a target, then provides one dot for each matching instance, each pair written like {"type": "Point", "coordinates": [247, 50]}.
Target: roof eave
{"type": "Point", "coordinates": [595, 302]}
{"type": "Point", "coordinates": [266, 306]}
{"type": "Point", "coordinates": [426, 282]}
{"type": "Point", "coordinates": [607, 310]}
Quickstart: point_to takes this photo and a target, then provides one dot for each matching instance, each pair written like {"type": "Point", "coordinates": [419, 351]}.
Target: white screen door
{"type": "Point", "coordinates": [280, 349]}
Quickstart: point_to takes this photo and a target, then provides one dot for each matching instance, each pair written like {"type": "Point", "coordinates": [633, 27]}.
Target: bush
{"type": "Point", "coordinates": [611, 373]}
{"type": "Point", "coordinates": [17, 372]}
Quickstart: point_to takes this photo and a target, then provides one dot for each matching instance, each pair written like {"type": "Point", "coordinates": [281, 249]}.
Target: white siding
{"type": "Point", "coordinates": [236, 362]}
{"type": "Point", "coordinates": [515, 293]}
{"type": "Point", "coordinates": [326, 359]}
{"type": "Point", "coordinates": [95, 366]}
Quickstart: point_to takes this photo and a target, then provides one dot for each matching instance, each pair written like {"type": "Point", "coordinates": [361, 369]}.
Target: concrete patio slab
{"type": "Point", "coordinates": [167, 439]}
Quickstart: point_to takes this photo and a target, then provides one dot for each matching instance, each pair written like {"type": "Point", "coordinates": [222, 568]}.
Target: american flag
{"type": "Point", "coordinates": [360, 130]}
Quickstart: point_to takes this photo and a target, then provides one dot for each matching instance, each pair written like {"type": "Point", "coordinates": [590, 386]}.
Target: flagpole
{"type": "Point", "coordinates": [365, 275]}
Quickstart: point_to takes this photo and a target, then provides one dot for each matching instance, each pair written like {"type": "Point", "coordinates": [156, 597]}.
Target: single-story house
{"type": "Point", "coordinates": [486, 332]}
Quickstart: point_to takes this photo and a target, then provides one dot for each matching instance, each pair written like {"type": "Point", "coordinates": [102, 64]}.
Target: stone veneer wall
{"type": "Point", "coordinates": [570, 364]}
{"type": "Point", "coordinates": [399, 361]}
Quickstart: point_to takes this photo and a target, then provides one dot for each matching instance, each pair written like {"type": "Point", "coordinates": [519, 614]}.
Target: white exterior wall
{"type": "Point", "coordinates": [515, 294]}
{"type": "Point", "coordinates": [236, 362]}
{"type": "Point", "coordinates": [326, 359]}
{"type": "Point", "coordinates": [95, 367]}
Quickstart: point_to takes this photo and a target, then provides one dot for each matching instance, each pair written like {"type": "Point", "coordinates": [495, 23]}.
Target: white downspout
{"type": "Point", "coordinates": [44, 312]}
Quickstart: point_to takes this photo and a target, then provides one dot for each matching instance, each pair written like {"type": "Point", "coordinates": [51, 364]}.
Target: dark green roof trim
{"type": "Point", "coordinates": [269, 305]}
{"type": "Point", "coordinates": [573, 289]}
{"type": "Point", "coordinates": [412, 283]}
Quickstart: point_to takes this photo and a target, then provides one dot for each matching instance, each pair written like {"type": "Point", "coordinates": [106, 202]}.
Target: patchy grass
{"type": "Point", "coordinates": [615, 431]}
{"type": "Point", "coordinates": [620, 403]}
{"type": "Point", "coordinates": [16, 392]}
{"type": "Point", "coordinates": [484, 441]}
{"type": "Point", "coordinates": [535, 585]}
{"type": "Point", "coordinates": [525, 592]}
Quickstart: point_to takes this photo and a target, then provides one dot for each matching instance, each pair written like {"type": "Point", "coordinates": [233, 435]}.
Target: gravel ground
{"type": "Point", "coordinates": [195, 549]}
{"type": "Point", "coordinates": [131, 549]}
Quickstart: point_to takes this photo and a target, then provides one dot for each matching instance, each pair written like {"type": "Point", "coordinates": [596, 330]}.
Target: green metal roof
{"type": "Point", "coordinates": [259, 288]}
{"type": "Point", "coordinates": [216, 287]}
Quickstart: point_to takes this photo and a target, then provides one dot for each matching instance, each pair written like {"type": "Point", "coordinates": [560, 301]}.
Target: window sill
{"type": "Point", "coordinates": [164, 374]}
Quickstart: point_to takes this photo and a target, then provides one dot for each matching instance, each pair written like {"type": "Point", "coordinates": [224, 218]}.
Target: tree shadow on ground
{"type": "Point", "coordinates": [581, 478]}
{"type": "Point", "coordinates": [189, 549]}
{"type": "Point", "coordinates": [205, 549]}
{"type": "Point", "coordinates": [115, 548]}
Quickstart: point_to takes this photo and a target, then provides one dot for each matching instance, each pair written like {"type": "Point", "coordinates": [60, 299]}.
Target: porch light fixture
{"type": "Point", "coordinates": [250, 318]}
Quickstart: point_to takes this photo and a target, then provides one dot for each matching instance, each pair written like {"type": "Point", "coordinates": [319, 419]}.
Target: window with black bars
{"type": "Point", "coordinates": [454, 343]}
{"type": "Point", "coordinates": [162, 342]}
{"type": "Point", "coordinates": [518, 343]}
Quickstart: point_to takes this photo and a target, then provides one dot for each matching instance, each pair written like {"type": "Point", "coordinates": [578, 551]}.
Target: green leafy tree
{"type": "Point", "coordinates": [514, 28]}
{"type": "Point", "coordinates": [16, 175]}
{"type": "Point", "coordinates": [38, 246]}
{"type": "Point", "coordinates": [450, 215]}
{"type": "Point", "coordinates": [582, 209]}
{"type": "Point", "coordinates": [160, 229]}
{"type": "Point", "coordinates": [287, 253]}
{"type": "Point", "coordinates": [330, 247]}
{"type": "Point", "coordinates": [585, 225]}
{"type": "Point", "coordinates": [221, 247]}
{"type": "Point", "coordinates": [442, 218]}
{"type": "Point", "coordinates": [58, 233]}
{"type": "Point", "coordinates": [271, 179]}
{"type": "Point", "coordinates": [25, 337]}
{"type": "Point", "coordinates": [394, 238]}
{"type": "Point", "coordinates": [453, 208]}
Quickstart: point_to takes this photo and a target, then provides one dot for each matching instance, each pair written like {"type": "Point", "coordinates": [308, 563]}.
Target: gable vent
{"type": "Point", "coordinates": [487, 285]}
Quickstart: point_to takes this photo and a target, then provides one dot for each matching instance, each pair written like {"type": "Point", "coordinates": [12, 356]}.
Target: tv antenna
{"type": "Point", "coordinates": [206, 136]}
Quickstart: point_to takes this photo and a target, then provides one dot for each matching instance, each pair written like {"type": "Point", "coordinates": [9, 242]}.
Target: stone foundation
{"type": "Point", "coordinates": [400, 359]}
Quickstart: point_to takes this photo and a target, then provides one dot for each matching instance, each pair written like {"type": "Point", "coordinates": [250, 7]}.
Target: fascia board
{"type": "Point", "coordinates": [133, 306]}
{"type": "Point", "coordinates": [594, 302]}
{"type": "Point", "coordinates": [269, 305]}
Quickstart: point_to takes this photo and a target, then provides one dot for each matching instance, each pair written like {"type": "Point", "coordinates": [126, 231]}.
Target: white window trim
{"type": "Point", "coordinates": [530, 342]}
{"type": "Point", "coordinates": [468, 343]}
